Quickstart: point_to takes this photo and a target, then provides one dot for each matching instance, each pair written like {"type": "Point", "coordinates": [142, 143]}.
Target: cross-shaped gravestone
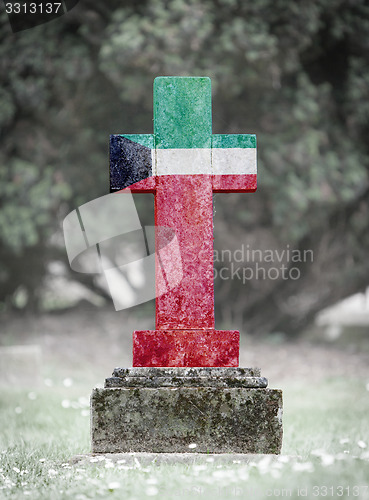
{"type": "Point", "coordinates": [183, 164]}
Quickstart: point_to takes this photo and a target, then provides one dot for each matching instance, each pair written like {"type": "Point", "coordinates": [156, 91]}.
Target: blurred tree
{"type": "Point", "coordinates": [296, 74]}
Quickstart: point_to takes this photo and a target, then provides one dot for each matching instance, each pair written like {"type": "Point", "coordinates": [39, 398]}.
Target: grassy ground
{"type": "Point", "coordinates": [325, 425]}
{"type": "Point", "coordinates": [325, 451]}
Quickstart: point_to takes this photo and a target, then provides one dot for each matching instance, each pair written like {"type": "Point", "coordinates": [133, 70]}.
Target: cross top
{"type": "Point", "coordinates": [183, 164]}
{"type": "Point", "coordinates": [183, 143]}
{"type": "Point", "coordinates": [182, 112]}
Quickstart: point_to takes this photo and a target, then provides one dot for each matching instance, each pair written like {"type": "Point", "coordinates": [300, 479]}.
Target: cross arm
{"type": "Point", "coordinates": [234, 163]}
{"type": "Point", "coordinates": [132, 163]}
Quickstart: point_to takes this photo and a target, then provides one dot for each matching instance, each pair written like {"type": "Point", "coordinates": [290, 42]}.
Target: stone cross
{"type": "Point", "coordinates": [183, 164]}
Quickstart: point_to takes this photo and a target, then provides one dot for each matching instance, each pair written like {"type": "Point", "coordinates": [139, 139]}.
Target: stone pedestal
{"type": "Point", "coordinates": [170, 410]}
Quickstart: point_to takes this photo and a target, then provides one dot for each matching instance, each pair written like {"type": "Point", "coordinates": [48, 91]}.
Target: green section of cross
{"type": "Point", "coordinates": [182, 117]}
{"type": "Point", "coordinates": [182, 112]}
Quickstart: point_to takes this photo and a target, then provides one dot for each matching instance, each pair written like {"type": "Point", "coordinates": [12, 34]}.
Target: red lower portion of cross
{"type": "Point", "coordinates": [186, 348]}
{"type": "Point", "coordinates": [185, 334]}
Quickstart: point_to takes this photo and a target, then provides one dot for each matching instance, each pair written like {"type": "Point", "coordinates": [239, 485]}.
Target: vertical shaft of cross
{"type": "Point", "coordinates": [185, 204]}
{"type": "Point", "coordinates": [183, 128]}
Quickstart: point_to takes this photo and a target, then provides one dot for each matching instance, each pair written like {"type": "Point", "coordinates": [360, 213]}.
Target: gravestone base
{"type": "Point", "coordinates": [182, 410]}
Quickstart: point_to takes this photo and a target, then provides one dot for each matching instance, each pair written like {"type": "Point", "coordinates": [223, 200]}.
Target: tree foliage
{"type": "Point", "coordinates": [294, 73]}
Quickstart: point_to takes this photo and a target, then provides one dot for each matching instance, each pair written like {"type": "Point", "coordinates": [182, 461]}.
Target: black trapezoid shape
{"type": "Point", "coordinates": [130, 162]}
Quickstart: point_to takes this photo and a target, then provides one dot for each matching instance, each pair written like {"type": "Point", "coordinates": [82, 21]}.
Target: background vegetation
{"type": "Point", "coordinates": [294, 73]}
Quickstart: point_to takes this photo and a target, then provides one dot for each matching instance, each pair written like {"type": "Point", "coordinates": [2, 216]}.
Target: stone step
{"type": "Point", "coordinates": [186, 372]}
{"type": "Point", "coordinates": [172, 381]}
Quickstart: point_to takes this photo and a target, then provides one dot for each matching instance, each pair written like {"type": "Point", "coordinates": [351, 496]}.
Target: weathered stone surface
{"type": "Point", "coordinates": [188, 371]}
{"type": "Point", "coordinates": [186, 377]}
{"type": "Point", "coordinates": [254, 382]}
{"type": "Point", "coordinates": [165, 419]}
{"type": "Point", "coordinates": [167, 412]}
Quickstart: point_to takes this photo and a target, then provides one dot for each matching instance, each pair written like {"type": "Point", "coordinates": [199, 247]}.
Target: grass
{"type": "Point", "coordinates": [325, 451]}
